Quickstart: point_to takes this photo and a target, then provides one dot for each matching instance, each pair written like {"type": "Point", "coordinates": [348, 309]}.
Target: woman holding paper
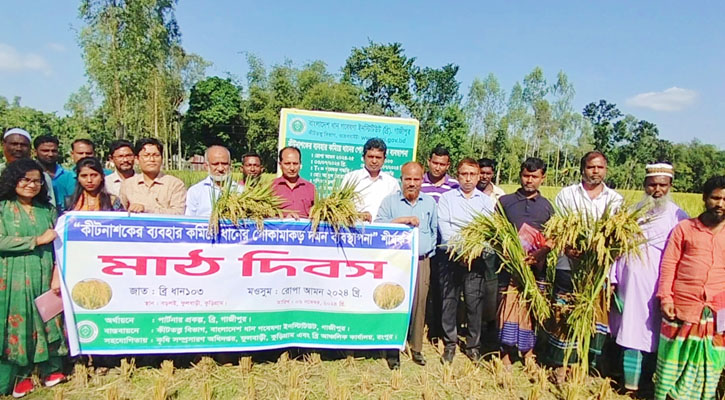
{"type": "Point", "coordinates": [90, 193]}
{"type": "Point", "coordinates": [26, 272]}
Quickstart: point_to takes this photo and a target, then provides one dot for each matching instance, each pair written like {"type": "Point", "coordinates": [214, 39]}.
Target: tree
{"type": "Point", "coordinates": [214, 116]}
{"type": "Point", "coordinates": [485, 109]}
{"type": "Point", "coordinates": [383, 72]}
{"type": "Point", "coordinates": [602, 115]}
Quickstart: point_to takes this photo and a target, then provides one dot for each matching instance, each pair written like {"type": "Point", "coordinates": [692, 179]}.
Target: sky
{"type": "Point", "coordinates": [659, 61]}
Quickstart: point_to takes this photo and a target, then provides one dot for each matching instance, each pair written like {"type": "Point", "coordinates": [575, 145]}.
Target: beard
{"type": "Point", "coordinates": [218, 178]}
{"type": "Point", "coordinates": [654, 205]}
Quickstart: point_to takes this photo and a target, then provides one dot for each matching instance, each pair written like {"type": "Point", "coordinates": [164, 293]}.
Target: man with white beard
{"type": "Point", "coordinates": [637, 325]}
{"type": "Point", "coordinates": [199, 197]}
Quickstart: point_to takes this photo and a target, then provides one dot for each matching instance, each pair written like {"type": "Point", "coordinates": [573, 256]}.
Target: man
{"type": "Point", "coordinates": [298, 193]}
{"type": "Point", "coordinates": [436, 182]}
{"type": "Point", "coordinates": [64, 182]}
{"type": "Point", "coordinates": [152, 191]}
{"type": "Point", "coordinates": [81, 148]}
{"type": "Point", "coordinates": [416, 209]}
{"type": "Point", "coordinates": [16, 145]}
{"type": "Point", "coordinates": [371, 182]}
{"type": "Point", "coordinates": [691, 352]}
{"type": "Point", "coordinates": [593, 197]}
{"type": "Point", "coordinates": [218, 162]}
{"type": "Point", "coordinates": [488, 171]}
{"type": "Point", "coordinates": [121, 154]}
{"type": "Point", "coordinates": [456, 208]}
{"type": "Point", "coordinates": [526, 206]}
{"type": "Point", "coordinates": [636, 325]}
{"type": "Point", "coordinates": [252, 165]}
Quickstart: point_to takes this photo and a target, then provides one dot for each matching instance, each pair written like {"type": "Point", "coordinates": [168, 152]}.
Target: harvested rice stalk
{"type": "Point", "coordinates": [495, 232]}
{"type": "Point", "coordinates": [338, 209]}
{"type": "Point", "coordinates": [257, 202]}
{"type": "Point", "coordinates": [600, 242]}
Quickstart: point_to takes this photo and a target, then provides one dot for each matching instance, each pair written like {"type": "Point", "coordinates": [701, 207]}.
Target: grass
{"type": "Point", "coordinates": [691, 203]}
{"type": "Point", "coordinates": [313, 377]}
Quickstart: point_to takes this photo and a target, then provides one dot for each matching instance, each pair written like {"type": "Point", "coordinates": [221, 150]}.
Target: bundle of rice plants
{"type": "Point", "coordinates": [257, 202]}
{"type": "Point", "coordinates": [600, 241]}
{"type": "Point", "coordinates": [338, 209]}
{"type": "Point", "coordinates": [496, 233]}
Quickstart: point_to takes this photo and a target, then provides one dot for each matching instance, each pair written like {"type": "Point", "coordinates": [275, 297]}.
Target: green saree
{"type": "Point", "coordinates": [25, 273]}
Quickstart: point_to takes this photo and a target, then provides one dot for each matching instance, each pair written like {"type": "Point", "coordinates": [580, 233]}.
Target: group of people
{"type": "Point", "coordinates": [670, 323]}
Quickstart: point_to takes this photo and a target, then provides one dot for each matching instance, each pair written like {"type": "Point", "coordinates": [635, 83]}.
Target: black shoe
{"type": "Point", "coordinates": [393, 360]}
{"type": "Point", "coordinates": [418, 357]}
{"type": "Point", "coordinates": [448, 354]}
{"type": "Point", "coordinates": [474, 355]}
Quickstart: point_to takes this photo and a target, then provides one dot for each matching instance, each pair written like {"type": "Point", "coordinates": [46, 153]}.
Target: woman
{"type": "Point", "coordinates": [90, 193]}
{"type": "Point", "coordinates": [27, 271]}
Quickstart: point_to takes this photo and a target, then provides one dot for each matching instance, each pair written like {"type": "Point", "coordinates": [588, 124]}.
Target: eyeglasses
{"type": "Point", "coordinates": [28, 181]}
{"type": "Point", "coordinates": [150, 156]}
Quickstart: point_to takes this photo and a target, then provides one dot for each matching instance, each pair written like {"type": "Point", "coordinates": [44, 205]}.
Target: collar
{"type": "Point", "coordinates": [140, 179]}
{"type": "Point", "coordinates": [426, 179]}
{"type": "Point", "coordinates": [401, 197]}
{"type": "Point", "coordinates": [59, 170]}
{"type": "Point", "coordinates": [521, 196]}
{"type": "Point", "coordinates": [367, 174]}
{"type": "Point", "coordinates": [583, 191]}
{"type": "Point", "coordinates": [476, 193]}
{"type": "Point", "coordinates": [282, 181]}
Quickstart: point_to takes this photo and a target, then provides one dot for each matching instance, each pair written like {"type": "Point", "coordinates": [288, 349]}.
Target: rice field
{"type": "Point", "coordinates": [690, 202]}
{"type": "Point", "coordinates": [326, 375]}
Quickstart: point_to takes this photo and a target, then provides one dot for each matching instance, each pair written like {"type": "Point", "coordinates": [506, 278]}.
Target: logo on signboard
{"type": "Point", "coordinates": [297, 126]}
{"type": "Point", "coordinates": [87, 331]}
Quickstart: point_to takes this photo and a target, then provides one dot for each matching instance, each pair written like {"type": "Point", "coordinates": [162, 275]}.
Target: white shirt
{"type": "Point", "coordinates": [372, 191]}
{"type": "Point", "coordinates": [575, 197]}
{"type": "Point", "coordinates": [199, 197]}
{"type": "Point", "coordinates": [113, 183]}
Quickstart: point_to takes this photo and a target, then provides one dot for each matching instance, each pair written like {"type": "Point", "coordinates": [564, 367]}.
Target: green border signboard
{"type": "Point", "coordinates": [331, 143]}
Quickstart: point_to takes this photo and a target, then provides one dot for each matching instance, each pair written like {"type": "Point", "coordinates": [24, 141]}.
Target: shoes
{"type": "Point", "coordinates": [418, 357]}
{"type": "Point", "coordinates": [473, 354]}
{"type": "Point", "coordinates": [448, 354]}
{"type": "Point", "coordinates": [393, 360]}
{"type": "Point", "coordinates": [54, 379]}
{"type": "Point", "coordinates": [22, 388]}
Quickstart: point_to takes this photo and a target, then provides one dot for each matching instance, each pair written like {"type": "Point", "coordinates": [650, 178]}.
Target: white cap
{"type": "Point", "coordinates": [17, 131]}
{"type": "Point", "coordinates": [659, 169]}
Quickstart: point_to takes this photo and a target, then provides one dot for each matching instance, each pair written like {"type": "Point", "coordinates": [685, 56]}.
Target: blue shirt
{"type": "Point", "coordinates": [64, 184]}
{"type": "Point", "coordinates": [456, 211]}
{"type": "Point", "coordinates": [396, 205]}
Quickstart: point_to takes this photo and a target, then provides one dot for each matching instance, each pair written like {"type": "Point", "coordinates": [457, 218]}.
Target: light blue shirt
{"type": "Point", "coordinates": [64, 184]}
{"type": "Point", "coordinates": [456, 211]}
{"type": "Point", "coordinates": [200, 196]}
{"type": "Point", "coordinates": [396, 205]}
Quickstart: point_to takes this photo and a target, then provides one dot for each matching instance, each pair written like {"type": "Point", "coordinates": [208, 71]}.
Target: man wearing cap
{"type": "Point", "coordinates": [16, 145]}
{"type": "Point", "coordinates": [636, 325]}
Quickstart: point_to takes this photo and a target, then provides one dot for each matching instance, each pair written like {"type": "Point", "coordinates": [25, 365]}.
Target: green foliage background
{"type": "Point", "coordinates": [143, 83]}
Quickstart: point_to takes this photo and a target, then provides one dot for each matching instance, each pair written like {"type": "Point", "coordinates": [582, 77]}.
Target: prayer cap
{"type": "Point", "coordinates": [659, 169]}
{"type": "Point", "coordinates": [17, 131]}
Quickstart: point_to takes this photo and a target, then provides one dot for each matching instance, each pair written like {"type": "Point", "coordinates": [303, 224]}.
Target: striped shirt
{"type": "Point", "coordinates": [437, 191]}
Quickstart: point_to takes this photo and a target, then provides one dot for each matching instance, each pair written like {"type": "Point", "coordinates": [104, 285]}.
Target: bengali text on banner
{"type": "Point", "coordinates": [161, 284]}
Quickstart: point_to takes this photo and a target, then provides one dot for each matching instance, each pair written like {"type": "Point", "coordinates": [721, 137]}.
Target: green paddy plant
{"type": "Point", "coordinates": [496, 233]}
{"type": "Point", "coordinates": [338, 209]}
{"type": "Point", "coordinates": [256, 202]}
{"type": "Point", "coordinates": [599, 242]}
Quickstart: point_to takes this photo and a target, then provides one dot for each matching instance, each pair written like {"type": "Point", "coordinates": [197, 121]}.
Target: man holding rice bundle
{"type": "Point", "coordinates": [524, 207]}
{"type": "Point", "coordinates": [479, 283]}
{"type": "Point", "coordinates": [636, 325]}
{"type": "Point", "coordinates": [200, 196]}
{"type": "Point", "coordinates": [416, 209]}
{"type": "Point", "coordinates": [691, 352]}
{"type": "Point", "coordinates": [591, 197]}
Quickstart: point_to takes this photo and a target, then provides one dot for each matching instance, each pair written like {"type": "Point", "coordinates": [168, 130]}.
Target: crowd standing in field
{"type": "Point", "coordinates": [669, 311]}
